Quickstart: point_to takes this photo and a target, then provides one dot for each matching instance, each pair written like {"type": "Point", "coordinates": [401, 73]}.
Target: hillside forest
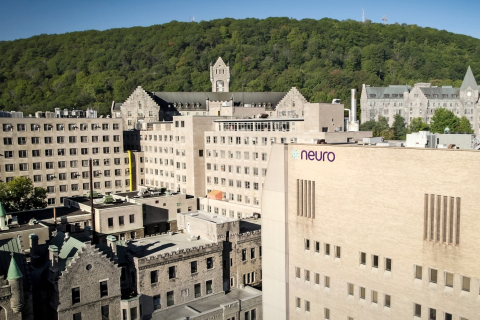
{"type": "Point", "coordinates": [322, 58]}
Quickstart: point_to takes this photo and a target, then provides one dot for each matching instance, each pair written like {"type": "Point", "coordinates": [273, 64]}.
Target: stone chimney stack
{"type": "Point", "coordinates": [112, 243]}
{"type": "Point", "coordinates": [53, 256]}
{"type": "Point", "coordinates": [15, 280]}
{"type": "Point", "coordinates": [33, 249]}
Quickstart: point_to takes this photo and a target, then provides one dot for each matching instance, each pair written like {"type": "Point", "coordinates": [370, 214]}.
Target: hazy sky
{"type": "Point", "coordinates": [26, 18]}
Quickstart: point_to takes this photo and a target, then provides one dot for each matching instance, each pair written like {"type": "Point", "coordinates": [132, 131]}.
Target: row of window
{"type": "Point", "coordinates": [432, 313]}
{"type": "Point", "coordinates": [60, 152]}
{"type": "Point", "coordinates": [238, 169]}
{"type": "Point", "coordinates": [85, 186]}
{"type": "Point", "coordinates": [448, 278]}
{"type": "Point", "coordinates": [238, 155]}
{"type": "Point", "coordinates": [252, 253]}
{"type": "Point", "coordinates": [231, 213]}
{"type": "Point", "coordinates": [121, 220]}
{"type": "Point", "coordinates": [59, 127]}
{"type": "Point", "coordinates": [246, 140]}
{"type": "Point", "coordinates": [173, 273]}
{"type": "Point", "coordinates": [10, 167]}
{"type": "Point", "coordinates": [60, 139]}
{"type": "Point", "coordinates": [246, 184]}
{"type": "Point", "coordinates": [150, 137]}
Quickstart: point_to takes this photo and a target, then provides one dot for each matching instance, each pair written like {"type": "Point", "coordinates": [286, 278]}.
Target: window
{"type": "Point", "coordinates": [132, 218]}
{"type": "Point", "coordinates": [433, 275]}
{"type": "Point", "coordinates": [110, 222]}
{"type": "Point", "coordinates": [387, 300]}
{"type": "Point", "coordinates": [193, 267]}
{"type": "Point", "coordinates": [361, 292]}
{"type": "Point", "coordinates": [375, 261]}
{"type": "Point", "coordinates": [297, 272]}
{"type": "Point", "coordinates": [350, 288]}
{"type": "Point", "coordinates": [252, 253]}
{"type": "Point", "coordinates": [466, 284]}
{"type": "Point", "coordinates": [327, 313]}
{"type": "Point", "coordinates": [432, 314]}
{"type": "Point", "coordinates": [156, 302]}
{"type": "Point", "coordinates": [170, 299]}
{"type": "Point", "coordinates": [307, 244]}
{"type": "Point", "coordinates": [133, 313]}
{"type": "Point", "coordinates": [22, 140]}
{"type": "Point", "coordinates": [23, 166]}
{"type": "Point", "coordinates": [418, 272]}
{"type": "Point", "coordinates": [374, 296]}
{"type": "Point", "coordinates": [327, 282]}
{"type": "Point", "coordinates": [209, 287]}
{"type": "Point", "coordinates": [244, 254]}
{"type": "Point", "coordinates": [197, 290]}
{"type": "Point", "coordinates": [77, 316]}
{"type": "Point", "coordinates": [37, 166]}
{"type": "Point", "coordinates": [307, 306]}
{"type": "Point", "coordinates": [8, 154]}
{"type": "Point", "coordinates": [298, 302]}
{"type": "Point", "coordinates": [171, 272]}
{"type": "Point", "coordinates": [105, 312]}
{"type": "Point", "coordinates": [363, 258]}
{"type": "Point", "coordinates": [121, 220]}
{"type": "Point", "coordinates": [307, 275]}
{"type": "Point", "coordinates": [75, 295]}
{"type": "Point", "coordinates": [209, 263]}
{"type": "Point", "coordinates": [337, 252]}
{"type": "Point", "coordinates": [388, 264]}
{"type": "Point", "coordinates": [154, 276]}
{"type": "Point", "coordinates": [327, 249]}
{"type": "Point", "coordinates": [7, 141]}
{"type": "Point", "coordinates": [449, 279]}
{"type": "Point", "coordinates": [48, 140]}
{"type": "Point", "coordinates": [22, 153]}
{"type": "Point", "coordinates": [417, 312]}
{"type": "Point", "coordinates": [448, 316]}
{"type": "Point", "coordinates": [317, 278]}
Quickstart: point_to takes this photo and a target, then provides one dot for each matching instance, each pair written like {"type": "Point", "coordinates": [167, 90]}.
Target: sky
{"type": "Point", "coordinates": [26, 18]}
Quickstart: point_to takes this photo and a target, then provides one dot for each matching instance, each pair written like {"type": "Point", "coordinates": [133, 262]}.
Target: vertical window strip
{"type": "Point", "coordinates": [444, 224]}
{"type": "Point", "coordinates": [450, 222]}
{"type": "Point", "coordinates": [439, 199]}
{"type": "Point", "coordinates": [309, 196]}
{"type": "Point", "coordinates": [457, 229]}
{"type": "Point", "coordinates": [313, 199]}
{"type": "Point", "coordinates": [425, 217]}
{"type": "Point", "coordinates": [432, 217]}
{"type": "Point", "coordinates": [298, 197]}
{"type": "Point", "coordinates": [305, 198]}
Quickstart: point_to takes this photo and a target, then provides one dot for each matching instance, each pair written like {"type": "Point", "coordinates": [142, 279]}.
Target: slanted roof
{"type": "Point", "coordinates": [66, 248]}
{"type": "Point", "coordinates": [440, 91]}
{"type": "Point", "coordinates": [9, 247]}
{"type": "Point", "coordinates": [14, 271]}
{"type": "Point", "coordinates": [469, 81]}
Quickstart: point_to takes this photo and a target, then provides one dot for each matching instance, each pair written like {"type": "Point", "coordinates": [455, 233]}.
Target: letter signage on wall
{"type": "Point", "coordinates": [313, 155]}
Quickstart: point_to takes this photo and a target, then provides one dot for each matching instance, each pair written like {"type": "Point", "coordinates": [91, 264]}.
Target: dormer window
{"type": "Point", "coordinates": [373, 96]}
{"type": "Point", "coordinates": [139, 105]}
{"type": "Point", "coordinates": [386, 96]}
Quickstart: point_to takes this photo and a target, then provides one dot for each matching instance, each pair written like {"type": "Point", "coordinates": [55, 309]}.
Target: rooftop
{"type": "Point", "coordinates": [98, 204]}
{"type": "Point", "coordinates": [151, 246]}
{"type": "Point", "coordinates": [203, 215]}
{"type": "Point", "coordinates": [207, 304]}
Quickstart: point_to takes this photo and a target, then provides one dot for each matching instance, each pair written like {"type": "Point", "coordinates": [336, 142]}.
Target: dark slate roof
{"type": "Point", "coordinates": [116, 106]}
{"type": "Point", "coordinates": [45, 213]}
{"type": "Point", "coordinates": [190, 99]}
{"type": "Point", "coordinates": [440, 91]}
{"type": "Point", "coordinates": [379, 92]}
{"type": "Point", "coordinates": [469, 81]}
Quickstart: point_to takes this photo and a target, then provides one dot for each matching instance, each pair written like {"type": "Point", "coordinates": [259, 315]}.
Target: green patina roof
{"type": "Point", "coordinates": [3, 213]}
{"type": "Point", "coordinates": [66, 249]}
{"type": "Point", "coordinates": [14, 271]}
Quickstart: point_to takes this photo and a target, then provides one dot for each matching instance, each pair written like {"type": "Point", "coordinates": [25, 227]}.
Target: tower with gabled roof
{"type": "Point", "coordinates": [220, 76]}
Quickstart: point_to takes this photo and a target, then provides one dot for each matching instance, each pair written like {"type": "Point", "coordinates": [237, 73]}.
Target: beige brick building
{"type": "Point", "coordinates": [357, 232]}
{"type": "Point", "coordinates": [54, 153]}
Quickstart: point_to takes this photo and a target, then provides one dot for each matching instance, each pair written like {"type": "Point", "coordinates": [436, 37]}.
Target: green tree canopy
{"type": "Point", "coordinates": [442, 119]}
{"type": "Point", "coordinates": [19, 195]}
{"type": "Point", "coordinates": [367, 125]}
{"type": "Point", "coordinates": [417, 125]}
{"type": "Point", "coordinates": [464, 126]}
{"type": "Point", "coordinates": [398, 126]}
{"type": "Point", "coordinates": [322, 58]}
{"type": "Point", "coordinates": [381, 127]}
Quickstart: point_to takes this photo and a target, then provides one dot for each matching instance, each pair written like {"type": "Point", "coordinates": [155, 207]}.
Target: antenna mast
{"type": "Point", "coordinates": [363, 15]}
{"type": "Point", "coordinates": [384, 20]}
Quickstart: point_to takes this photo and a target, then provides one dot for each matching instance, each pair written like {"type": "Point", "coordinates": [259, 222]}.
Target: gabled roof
{"type": "Point", "coordinates": [469, 81]}
{"type": "Point", "coordinates": [66, 248]}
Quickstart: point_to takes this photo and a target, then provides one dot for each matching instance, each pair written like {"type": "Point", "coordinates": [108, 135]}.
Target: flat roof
{"type": "Point", "coordinates": [134, 195]}
{"type": "Point", "coordinates": [203, 215]}
{"type": "Point", "coordinates": [151, 246]}
{"type": "Point", "coordinates": [97, 204]}
{"type": "Point", "coordinates": [259, 119]}
{"type": "Point", "coordinates": [207, 304]}
{"type": "Point", "coordinates": [23, 227]}
{"type": "Point", "coordinates": [355, 145]}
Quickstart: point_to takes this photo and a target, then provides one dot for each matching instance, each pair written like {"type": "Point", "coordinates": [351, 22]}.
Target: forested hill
{"type": "Point", "coordinates": [323, 58]}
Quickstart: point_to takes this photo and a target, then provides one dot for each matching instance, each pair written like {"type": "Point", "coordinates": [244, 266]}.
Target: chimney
{"type": "Point", "coordinates": [33, 249]}
{"type": "Point", "coordinates": [112, 244]}
{"type": "Point", "coordinates": [53, 256]}
{"type": "Point", "coordinates": [354, 105]}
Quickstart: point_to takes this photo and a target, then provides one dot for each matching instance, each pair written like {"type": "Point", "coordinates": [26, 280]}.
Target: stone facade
{"type": "Point", "coordinates": [220, 76]}
{"type": "Point", "coordinates": [421, 101]}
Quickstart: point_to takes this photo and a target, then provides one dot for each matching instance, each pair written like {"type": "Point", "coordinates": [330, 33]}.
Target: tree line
{"type": "Point", "coordinates": [322, 58]}
{"type": "Point", "coordinates": [442, 119]}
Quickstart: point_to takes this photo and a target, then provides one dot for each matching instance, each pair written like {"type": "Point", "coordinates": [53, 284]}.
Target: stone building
{"type": "Point", "coordinates": [54, 153]}
{"type": "Point", "coordinates": [421, 101]}
{"type": "Point", "coordinates": [370, 233]}
{"type": "Point", "coordinates": [84, 283]}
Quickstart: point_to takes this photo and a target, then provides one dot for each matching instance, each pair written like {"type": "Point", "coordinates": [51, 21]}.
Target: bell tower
{"type": "Point", "coordinates": [220, 76]}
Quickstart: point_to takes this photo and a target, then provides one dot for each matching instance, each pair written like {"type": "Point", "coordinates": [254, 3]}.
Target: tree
{"type": "Point", "coordinates": [381, 126]}
{"type": "Point", "coordinates": [417, 124]}
{"type": "Point", "coordinates": [367, 125]}
{"type": "Point", "coordinates": [442, 119]}
{"type": "Point", "coordinates": [19, 195]}
{"type": "Point", "coordinates": [398, 127]}
{"type": "Point", "coordinates": [464, 126]}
